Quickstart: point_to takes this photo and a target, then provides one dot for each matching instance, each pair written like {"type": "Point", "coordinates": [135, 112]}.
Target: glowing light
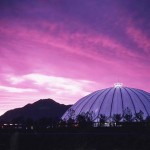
{"type": "Point", "coordinates": [118, 85]}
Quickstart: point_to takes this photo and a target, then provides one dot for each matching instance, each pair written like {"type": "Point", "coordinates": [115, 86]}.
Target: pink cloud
{"type": "Point", "coordinates": [96, 47]}
{"type": "Point", "coordinates": [90, 46]}
{"type": "Point", "coordinates": [140, 38]}
{"type": "Point", "coordinates": [65, 90]}
{"type": "Point", "coordinates": [52, 82]}
{"type": "Point", "coordinates": [15, 90]}
{"type": "Point", "coordinates": [78, 43]}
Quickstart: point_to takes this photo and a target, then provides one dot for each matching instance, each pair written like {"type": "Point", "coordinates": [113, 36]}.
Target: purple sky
{"type": "Point", "coordinates": [66, 49]}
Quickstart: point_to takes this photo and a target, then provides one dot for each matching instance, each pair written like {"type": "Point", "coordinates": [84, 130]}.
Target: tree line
{"type": "Point", "coordinates": [88, 119]}
{"type": "Point", "coordinates": [83, 120]}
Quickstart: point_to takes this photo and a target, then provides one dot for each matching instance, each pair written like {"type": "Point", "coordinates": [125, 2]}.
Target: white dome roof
{"type": "Point", "coordinates": [112, 101]}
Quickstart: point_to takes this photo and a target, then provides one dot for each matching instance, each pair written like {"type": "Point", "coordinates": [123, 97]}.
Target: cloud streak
{"type": "Point", "coordinates": [15, 90]}
{"type": "Point", "coordinates": [140, 39]}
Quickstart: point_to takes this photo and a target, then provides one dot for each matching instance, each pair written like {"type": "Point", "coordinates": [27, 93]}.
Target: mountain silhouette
{"type": "Point", "coordinates": [44, 108]}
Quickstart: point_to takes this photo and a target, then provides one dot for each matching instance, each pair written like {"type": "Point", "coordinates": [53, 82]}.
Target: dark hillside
{"type": "Point", "coordinates": [44, 108]}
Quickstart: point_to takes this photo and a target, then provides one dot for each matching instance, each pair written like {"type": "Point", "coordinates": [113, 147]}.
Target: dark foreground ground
{"type": "Point", "coordinates": [76, 139]}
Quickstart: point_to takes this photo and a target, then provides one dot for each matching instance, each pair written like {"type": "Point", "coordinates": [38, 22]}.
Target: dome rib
{"type": "Point", "coordinates": [97, 99]}
{"type": "Point", "coordinates": [81, 101]}
{"type": "Point", "coordinates": [145, 92]}
{"type": "Point", "coordinates": [141, 92]}
{"type": "Point", "coordinates": [139, 100]}
{"type": "Point", "coordinates": [88, 101]}
{"type": "Point", "coordinates": [103, 102]}
{"type": "Point", "coordinates": [112, 102]}
{"type": "Point", "coordinates": [84, 98]}
{"type": "Point", "coordinates": [131, 99]}
{"type": "Point", "coordinates": [122, 100]}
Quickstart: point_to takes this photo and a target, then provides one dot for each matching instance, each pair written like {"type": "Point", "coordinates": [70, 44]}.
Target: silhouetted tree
{"type": "Point", "coordinates": [81, 120]}
{"type": "Point", "coordinates": [139, 116]}
{"type": "Point", "coordinates": [117, 118]}
{"type": "Point", "coordinates": [89, 118]}
{"type": "Point", "coordinates": [29, 122]}
{"type": "Point", "coordinates": [147, 119]}
{"type": "Point", "coordinates": [71, 113]}
{"type": "Point", "coordinates": [43, 123]}
{"type": "Point", "coordinates": [62, 123]}
{"type": "Point", "coordinates": [102, 118]}
{"type": "Point", "coordinates": [18, 120]}
{"type": "Point", "coordinates": [127, 115]}
{"type": "Point", "coordinates": [85, 119]}
{"type": "Point", "coordinates": [70, 122]}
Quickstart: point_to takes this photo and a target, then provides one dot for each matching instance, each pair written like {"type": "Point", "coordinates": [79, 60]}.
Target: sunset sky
{"type": "Point", "coordinates": [66, 49]}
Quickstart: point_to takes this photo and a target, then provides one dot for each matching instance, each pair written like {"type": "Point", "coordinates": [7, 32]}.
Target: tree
{"type": "Point", "coordinates": [62, 123]}
{"type": "Point", "coordinates": [70, 122]}
{"type": "Point", "coordinates": [117, 118]}
{"type": "Point", "coordinates": [139, 116]}
{"type": "Point", "coordinates": [89, 118]}
{"type": "Point", "coordinates": [81, 120]}
{"type": "Point", "coordinates": [147, 120]}
{"type": "Point", "coordinates": [85, 119]}
{"type": "Point", "coordinates": [29, 122]}
{"type": "Point", "coordinates": [102, 118]}
{"type": "Point", "coordinates": [71, 113]}
{"type": "Point", "coordinates": [127, 115]}
{"type": "Point", "coordinates": [43, 123]}
{"type": "Point", "coordinates": [18, 120]}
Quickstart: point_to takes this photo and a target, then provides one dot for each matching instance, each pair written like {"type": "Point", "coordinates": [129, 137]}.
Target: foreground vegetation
{"type": "Point", "coordinates": [120, 133]}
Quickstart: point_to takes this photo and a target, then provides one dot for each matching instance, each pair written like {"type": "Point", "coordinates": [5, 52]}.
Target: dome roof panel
{"type": "Point", "coordinates": [84, 102]}
{"type": "Point", "coordinates": [95, 107]}
{"type": "Point", "coordinates": [127, 100]}
{"type": "Point", "coordinates": [106, 106]}
{"type": "Point", "coordinates": [139, 103]}
{"type": "Point", "coordinates": [117, 102]}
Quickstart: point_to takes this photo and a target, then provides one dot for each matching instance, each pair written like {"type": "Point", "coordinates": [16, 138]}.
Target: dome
{"type": "Point", "coordinates": [112, 101]}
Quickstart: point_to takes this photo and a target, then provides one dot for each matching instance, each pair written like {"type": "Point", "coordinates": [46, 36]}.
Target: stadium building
{"type": "Point", "coordinates": [111, 101]}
